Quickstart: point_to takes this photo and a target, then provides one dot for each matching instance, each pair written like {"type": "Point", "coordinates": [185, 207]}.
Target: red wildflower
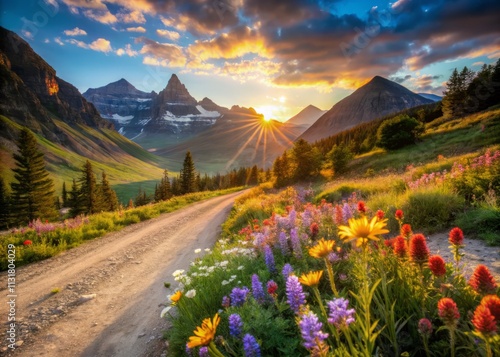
{"type": "Point", "coordinates": [27, 242]}
{"type": "Point", "coordinates": [406, 230]}
{"type": "Point", "coordinates": [288, 208]}
{"type": "Point", "coordinates": [437, 265]}
{"type": "Point", "coordinates": [400, 248]}
{"type": "Point", "coordinates": [256, 227]}
{"type": "Point", "coordinates": [399, 215]}
{"type": "Point", "coordinates": [425, 327]}
{"type": "Point", "coordinates": [492, 302]}
{"type": "Point", "coordinates": [448, 311]}
{"type": "Point", "coordinates": [255, 220]}
{"type": "Point", "coordinates": [266, 222]}
{"type": "Point", "coordinates": [314, 229]}
{"type": "Point", "coordinates": [482, 281]}
{"type": "Point", "coordinates": [389, 243]}
{"type": "Point", "coordinates": [380, 215]}
{"type": "Point", "coordinates": [456, 236]}
{"type": "Point", "coordinates": [419, 252]}
{"type": "Point", "coordinates": [272, 287]}
{"type": "Point", "coordinates": [484, 321]}
{"type": "Point", "coordinates": [361, 207]}
{"type": "Point", "coordinates": [339, 217]}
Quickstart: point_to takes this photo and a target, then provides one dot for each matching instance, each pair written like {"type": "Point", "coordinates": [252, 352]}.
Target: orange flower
{"type": "Point", "coordinates": [400, 248]}
{"type": "Point", "coordinates": [176, 296]}
{"type": "Point", "coordinates": [448, 312]}
{"type": "Point", "coordinates": [312, 278]}
{"type": "Point", "coordinates": [456, 236]}
{"type": "Point", "coordinates": [484, 321]}
{"type": "Point", "coordinates": [322, 249]}
{"type": "Point", "coordinates": [419, 252]}
{"type": "Point", "coordinates": [205, 333]}
{"type": "Point", "coordinates": [482, 281]}
{"type": "Point", "coordinates": [437, 265]}
{"type": "Point", "coordinates": [492, 302]}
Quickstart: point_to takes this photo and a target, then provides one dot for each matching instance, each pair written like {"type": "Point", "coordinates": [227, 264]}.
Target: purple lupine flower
{"type": "Point", "coordinates": [203, 352]}
{"type": "Point", "coordinates": [235, 325]}
{"type": "Point", "coordinates": [296, 246]}
{"type": "Point", "coordinates": [258, 290]}
{"type": "Point", "coordinates": [283, 240]}
{"type": "Point", "coordinates": [251, 346]}
{"type": "Point", "coordinates": [333, 257]}
{"type": "Point", "coordinates": [226, 301]}
{"type": "Point", "coordinates": [306, 218]}
{"type": "Point", "coordinates": [287, 271]}
{"type": "Point", "coordinates": [238, 296]}
{"type": "Point", "coordinates": [310, 328]}
{"type": "Point", "coordinates": [339, 314]}
{"type": "Point", "coordinates": [259, 239]}
{"type": "Point", "coordinates": [294, 293]}
{"type": "Point", "coordinates": [269, 259]}
{"type": "Point", "coordinates": [346, 211]}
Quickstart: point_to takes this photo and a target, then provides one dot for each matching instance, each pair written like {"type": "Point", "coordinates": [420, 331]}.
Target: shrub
{"type": "Point", "coordinates": [399, 132]}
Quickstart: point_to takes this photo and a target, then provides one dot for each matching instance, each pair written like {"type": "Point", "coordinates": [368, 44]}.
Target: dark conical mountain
{"type": "Point", "coordinates": [377, 98]}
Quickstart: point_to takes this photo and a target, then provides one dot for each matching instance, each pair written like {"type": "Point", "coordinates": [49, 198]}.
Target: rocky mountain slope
{"type": "Point", "coordinates": [69, 128]}
{"type": "Point", "coordinates": [377, 98]}
{"type": "Point", "coordinates": [173, 112]}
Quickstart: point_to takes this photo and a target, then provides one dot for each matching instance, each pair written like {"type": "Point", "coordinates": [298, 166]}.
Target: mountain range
{"type": "Point", "coordinates": [99, 124]}
{"type": "Point", "coordinates": [377, 98]}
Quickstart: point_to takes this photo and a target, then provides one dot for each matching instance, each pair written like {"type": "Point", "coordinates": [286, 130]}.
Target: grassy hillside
{"type": "Point", "coordinates": [125, 163]}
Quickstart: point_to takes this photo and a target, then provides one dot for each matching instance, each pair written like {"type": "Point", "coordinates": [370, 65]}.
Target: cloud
{"type": "Point", "coordinates": [237, 43]}
{"type": "Point", "coordinates": [427, 83]}
{"type": "Point", "coordinates": [136, 29]}
{"type": "Point", "coordinates": [134, 16]}
{"type": "Point", "coordinates": [257, 68]}
{"type": "Point", "coordinates": [282, 12]}
{"type": "Point", "coordinates": [400, 79]}
{"type": "Point", "coordinates": [93, 4]}
{"type": "Point", "coordinates": [172, 35]}
{"type": "Point", "coordinates": [127, 50]}
{"type": "Point", "coordinates": [104, 17]}
{"type": "Point", "coordinates": [99, 45]}
{"type": "Point", "coordinates": [58, 41]}
{"type": "Point", "coordinates": [200, 17]}
{"type": "Point", "coordinates": [75, 32]}
{"type": "Point", "coordinates": [162, 54]}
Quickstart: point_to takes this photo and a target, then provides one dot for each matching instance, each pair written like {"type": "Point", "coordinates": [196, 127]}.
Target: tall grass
{"type": "Point", "coordinates": [43, 240]}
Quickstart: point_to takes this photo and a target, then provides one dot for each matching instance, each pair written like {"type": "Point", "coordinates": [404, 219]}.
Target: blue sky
{"type": "Point", "coordinates": [277, 56]}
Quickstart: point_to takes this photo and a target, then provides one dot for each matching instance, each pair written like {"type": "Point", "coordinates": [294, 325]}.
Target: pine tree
{"type": "Point", "coordinates": [33, 192]}
{"type": "Point", "coordinates": [88, 197]}
{"type": "Point", "coordinates": [456, 97]}
{"type": "Point", "coordinates": [4, 205]}
{"type": "Point", "coordinates": [163, 192]}
{"type": "Point", "coordinates": [340, 156]}
{"type": "Point", "coordinates": [254, 176]}
{"type": "Point", "coordinates": [307, 160]}
{"type": "Point", "coordinates": [64, 195]}
{"type": "Point", "coordinates": [109, 200]}
{"type": "Point", "coordinates": [188, 175]}
{"type": "Point", "coordinates": [74, 200]}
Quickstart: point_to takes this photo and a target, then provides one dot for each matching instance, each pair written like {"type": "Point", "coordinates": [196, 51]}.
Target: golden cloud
{"type": "Point", "coordinates": [127, 50]}
{"type": "Point", "coordinates": [136, 29]}
{"type": "Point", "coordinates": [101, 45]}
{"type": "Point", "coordinates": [235, 44]}
{"type": "Point", "coordinates": [134, 16]}
{"type": "Point", "coordinates": [172, 35]}
{"type": "Point", "coordinates": [75, 32]}
{"type": "Point", "coordinates": [162, 54]}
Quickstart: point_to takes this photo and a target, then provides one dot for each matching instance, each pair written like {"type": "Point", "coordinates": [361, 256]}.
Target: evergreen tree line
{"type": "Point", "coordinates": [470, 92]}
{"type": "Point", "coordinates": [190, 180]}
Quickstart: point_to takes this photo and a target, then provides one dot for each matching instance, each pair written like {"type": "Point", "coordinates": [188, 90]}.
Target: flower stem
{"type": "Point", "coordinates": [213, 350]}
{"type": "Point", "coordinates": [320, 302]}
{"type": "Point", "coordinates": [330, 277]}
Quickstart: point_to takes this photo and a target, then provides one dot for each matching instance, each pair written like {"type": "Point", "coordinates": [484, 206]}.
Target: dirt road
{"type": "Point", "coordinates": [126, 271]}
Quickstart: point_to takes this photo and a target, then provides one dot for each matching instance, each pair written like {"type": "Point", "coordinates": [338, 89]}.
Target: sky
{"type": "Point", "coordinates": [277, 56]}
